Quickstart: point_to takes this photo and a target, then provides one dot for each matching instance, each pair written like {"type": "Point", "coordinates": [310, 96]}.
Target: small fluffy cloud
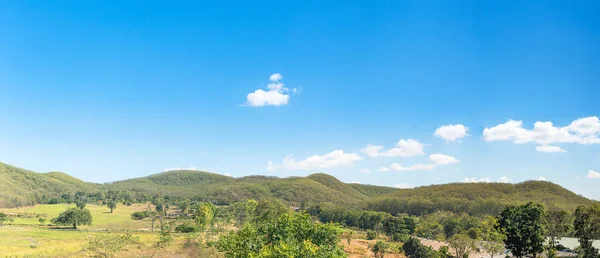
{"type": "Point", "coordinates": [333, 159]}
{"type": "Point", "coordinates": [580, 131]}
{"type": "Point", "coordinates": [504, 179]}
{"type": "Point", "coordinates": [415, 167]}
{"type": "Point", "coordinates": [452, 133]}
{"type": "Point", "coordinates": [365, 170]}
{"type": "Point", "coordinates": [404, 186]}
{"type": "Point", "coordinates": [593, 174]}
{"type": "Point", "coordinates": [383, 169]}
{"type": "Point", "coordinates": [475, 180]}
{"type": "Point", "coordinates": [541, 179]}
{"type": "Point", "coordinates": [549, 148]}
{"type": "Point", "coordinates": [436, 159]}
{"type": "Point", "coordinates": [275, 77]}
{"type": "Point", "coordinates": [276, 94]}
{"type": "Point", "coordinates": [441, 159]}
{"type": "Point", "coordinates": [404, 148]}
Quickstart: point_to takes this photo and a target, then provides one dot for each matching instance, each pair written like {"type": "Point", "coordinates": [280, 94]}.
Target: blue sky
{"type": "Point", "coordinates": [108, 90]}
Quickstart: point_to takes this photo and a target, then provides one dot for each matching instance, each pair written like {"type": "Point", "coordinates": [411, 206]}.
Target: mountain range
{"type": "Point", "coordinates": [20, 187]}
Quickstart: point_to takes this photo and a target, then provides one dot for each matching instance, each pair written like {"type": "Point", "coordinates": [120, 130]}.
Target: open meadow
{"type": "Point", "coordinates": [25, 237]}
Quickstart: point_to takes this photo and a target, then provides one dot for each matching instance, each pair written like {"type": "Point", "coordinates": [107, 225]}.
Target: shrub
{"type": "Point", "coordinates": [187, 228]}
{"type": "Point", "coordinates": [372, 235]}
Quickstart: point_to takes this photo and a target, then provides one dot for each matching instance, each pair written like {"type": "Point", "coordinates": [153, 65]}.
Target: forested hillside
{"type": "Point", "coordinates": [19, 187]}
{"type": "Point", "coordinates": [224, 190]}
{"type": "Point", "coordinates": [475, 198]}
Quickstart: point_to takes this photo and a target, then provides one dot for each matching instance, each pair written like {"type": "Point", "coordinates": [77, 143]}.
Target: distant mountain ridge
{"type": "Point", "coordinates": [20, 187]}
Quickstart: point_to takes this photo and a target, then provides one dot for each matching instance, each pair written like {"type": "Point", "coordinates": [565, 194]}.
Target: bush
{"type": "Point", "coordinates": [372, 235]}
{"type": "Point", "coordinates": [140, 215]}
{"type": "Point", "coordinates": [187, 228]}
{"type": "Point", "coordinates": [399, 237]}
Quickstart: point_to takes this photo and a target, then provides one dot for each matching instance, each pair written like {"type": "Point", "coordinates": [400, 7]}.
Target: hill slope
{"type": "Point", "coordinates": [475, 198]}
{"type": "Point", "coordinates": [223, 189]}
{"type": "Point", "coordinates": [20, 187]}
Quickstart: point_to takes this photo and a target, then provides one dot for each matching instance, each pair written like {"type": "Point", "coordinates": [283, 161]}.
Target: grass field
{"type": "Point", "coordinates": [102, 218]}
{"type": "Point", "coordinates": [24, 238]}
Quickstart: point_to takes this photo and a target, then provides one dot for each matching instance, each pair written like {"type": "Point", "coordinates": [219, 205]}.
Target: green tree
{"type": "Point", "coordinates": [523, 227]}
{"type": "Point", "coordinates": [269, 208]}
{"type": "Point", "coordinates": [4, 218]}
{"type": "Point", "coordinates": [492, 241]}
{"type": "Point", "coordinates": [165, 237]}
{"type": "Point", "coordinates": [380, 248]}
{"type": "Point", "coordinates": [414, 249]}
{"type": "Point", "coordinates": [42, 221]}
{"type": "Point", "coordinates": [74, 216]}
{"type": "Point", "coordinates": [462, 244]}
{"type": "Point", "coordinates": [288, 235]}
{"type": "Point", "coordinates": [587, 228]}
{"type": "Point", "coordinates": [111, 205]}
{"type": "Point", "coordinates": [204, 214]}
{"type": "Point", "coordinates": [244, 211]}
{"type": "Point", "coordinates": [558, 223]}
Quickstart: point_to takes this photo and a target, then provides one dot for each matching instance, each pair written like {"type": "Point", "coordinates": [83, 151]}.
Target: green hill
{"type": "Point", "coordinates": [223, 189]}
{"type": "Point", "coordinates": [20, 187]}
{"type": "Point", "coordinates": [475, 198]}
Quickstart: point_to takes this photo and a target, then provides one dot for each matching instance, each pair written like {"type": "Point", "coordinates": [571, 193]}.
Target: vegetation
{"type": "Point", "coordinates": [288, 235]}
{"type": "Point", "coordinates": [192, 210]}
{"type": "Point", "coordinates": [74, 216]}
{"type": "Point", "coordinates": [524, 229]}
{"type": "Point", "coordinates": [111, 205]}
{"type": "Point", "coordinates": [4, 218]}
{"type": "Point", "coordinates": [107, 245]}
{"type": "Point", "coordinates": [587, 228]}
{"type": "Point", "coordinates": [476, 199]}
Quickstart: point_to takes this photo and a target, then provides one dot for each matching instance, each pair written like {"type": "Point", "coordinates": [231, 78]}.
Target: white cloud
{"type": "Point", "coordinates": [365, 170]}
{"type": "Point", "coordinates": [404, 186]}
{"type": "Point", "coordinates": [275, 96]}
{"type": "Point", "coordinates": [451, 132]}
{"type": "Point", "coordinates": [270, 166]}
{"type": "Point", "coordinates": [332, 159]}
{"type": "Point", "coordinates": [355, 182]}
{"type": "Point", "coordinates": [549, 148]}
{"type": "Point", "coordinates": [504, 179]}
{"type": "Point", "coordinates": [275, 77]}
{"type": "Point", "coordinates": [404, 148]}
{"type": "Point", "coordinates": [475, 180]}
{"type": "Point", "coordinates": [593, 174]}
{"type": "Point", "coordinates": [178, 168]}
{"type": "Point", "coordinates": [541, 179]}
{"type": "Point", "coordinates": [415, 167]}
{"type": "Point", "coordinates": [441, 159]}
{"type": "Point", "coordinates": [581, 131]}
{"type": "Point", "coordinates": [383, 169]}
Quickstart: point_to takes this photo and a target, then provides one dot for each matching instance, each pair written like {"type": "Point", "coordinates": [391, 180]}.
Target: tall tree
{"type": "Point", "coordinates": [111, 205]}
{"type": "Point", "coordinates": [74, 216]}
{"type": "Point", "coordinates": [462, 244]}
{"type": "Point", "coordinates": [492, 241]}
{"type": "Point", "coordinates": [80, 201]}
{"type": "Point", "coordinates": [524, 229]}
{"type": "Point", "coordinates": [558, 223]}
{"type": "Point", "coordinates": [587, 228]}
{"type": "Point", "coordinates": [204, 214]}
